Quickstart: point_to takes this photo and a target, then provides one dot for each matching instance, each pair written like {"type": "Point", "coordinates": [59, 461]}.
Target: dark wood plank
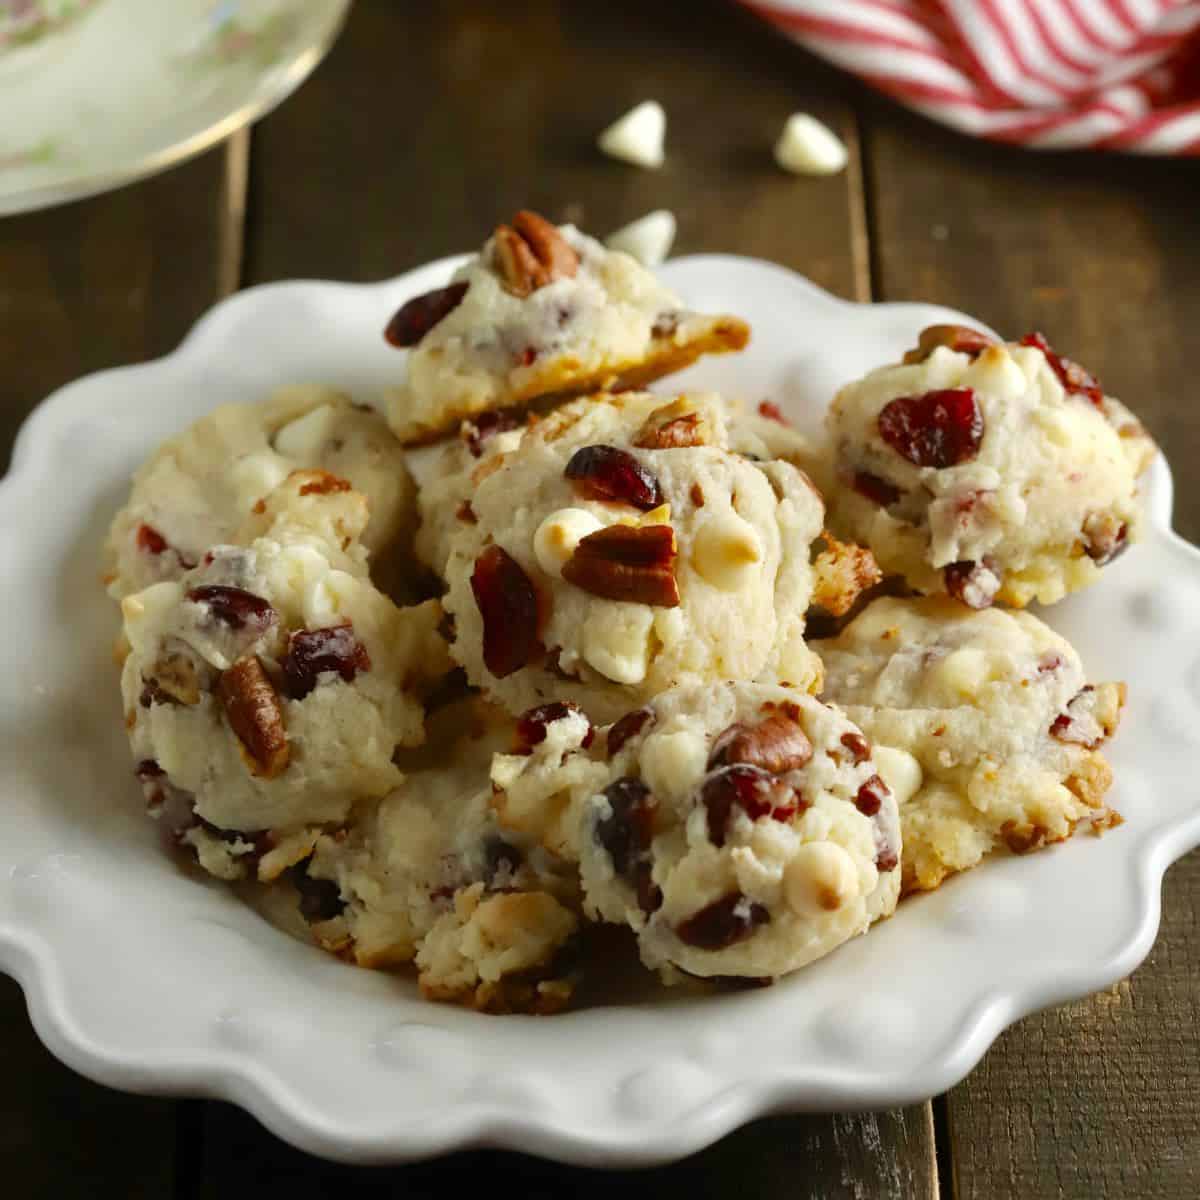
{"type": "Point", "coordinates": [424, 127]}
{"type": "Point", "coordinates": [1101, 1098]}
{"type": "Point", "coordinates": [856, 1157]}
{"type": "Point", "coordinates": [107, 281]}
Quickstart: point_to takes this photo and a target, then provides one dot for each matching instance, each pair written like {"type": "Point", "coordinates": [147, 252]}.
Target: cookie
{"type": "Point", "coordinates": [984, 726]}
{"type": "Point", "coordinates": [621, 548]}
{"type": "Point", "coordinates": [195, 490]}
{"type": "Point", "coordinates": [268, 688]}
{"type": "Point", "coordinates": [428, 874]}
{"type": "Point", "coordinates": [541, 311]}
{"type": "Point", "coordinates": [988, 471]}
{"type": "Point", "coordinates": [740, 830]}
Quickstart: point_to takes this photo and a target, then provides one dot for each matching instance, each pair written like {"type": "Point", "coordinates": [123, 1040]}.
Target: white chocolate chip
{"type": "Point", "coordinates": [254, 475]}
{"type": "Point", "coordinates": [559, 534]}
{"type": "Point", "coordinates": [727, 552]}
{"type": "Point", "coordinates": [638, 136]}
{"type": "Point", "coordinates": [820, 878]}
{"type": "Point", "coordinates": [648, 239]}
{"type": "Point", "coordinates": [900, 771]}
{"type": "Point", "coordinates": [616, 641]}
{"type": "Point", "coordinates": [303, 438]}
{"type": "Point", "coordinates": [806, 147]}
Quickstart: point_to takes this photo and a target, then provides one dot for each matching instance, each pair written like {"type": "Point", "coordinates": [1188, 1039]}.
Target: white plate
{"type": "Point", "coordinates": [145, 979]}
{"type": "Point", "coordinates": [190, 73]}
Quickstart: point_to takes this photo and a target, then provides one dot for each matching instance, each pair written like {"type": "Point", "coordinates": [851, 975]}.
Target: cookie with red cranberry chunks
{"type": "Point", "coordinates": [197, 488]}
{"type": "Point", "coordinates": [992, 472]}
{"type": "Point", "coordinates": [428, 875]}
{"type": "Point", "coordinates": [542, 313]}
{"type": "Point", "coordinates": [619, 547]}
{"type": "Point", "coordinates": [740, 830]}
{"type": "Point", "coordinates": [267, 690]}
{"type": "Point", "coordinates": [984, 725]}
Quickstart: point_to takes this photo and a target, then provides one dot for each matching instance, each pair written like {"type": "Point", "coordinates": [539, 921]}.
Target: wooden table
{"type": "Point", "coordinates": [426, 124]}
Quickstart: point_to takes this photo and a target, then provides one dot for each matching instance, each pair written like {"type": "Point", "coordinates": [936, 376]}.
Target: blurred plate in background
{"type": "Point", "coordinates": [97, 93]}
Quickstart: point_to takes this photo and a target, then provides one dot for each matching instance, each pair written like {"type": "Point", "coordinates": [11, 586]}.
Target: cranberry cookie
{"type": "Point", "coordinates": [197, 487]}
{"type": "Point", "coordinates": [621, 548]}
{"type": "Point", "coordinates": [267, 689]}
{"type": "Point", "coordinates": [740, 830]}
{"type": "Point", "coordinates": [984, 726]}
{"type": "Point", "coordinates": [428, 874]}
{"type": "Point", "coordinates": [541, 311]}
{"type": "Point", "coordinates": [985, 470]}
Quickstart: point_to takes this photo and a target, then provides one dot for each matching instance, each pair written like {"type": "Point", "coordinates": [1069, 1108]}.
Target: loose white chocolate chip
{"type": "Point", "coordinates": [806, 147]}
{"type": "Point", "coordinates": [648, 239]}
{"type": "Point", "coordinates": [900, 771]}
{"type": "Point", "coordinates": [820, 878]}
{"type": "Point", "coordinates": [638, 136]}
{"type": "Point", "coordinates": [559, 534]}
{"type": "Point", "coordinates": [727, 552]}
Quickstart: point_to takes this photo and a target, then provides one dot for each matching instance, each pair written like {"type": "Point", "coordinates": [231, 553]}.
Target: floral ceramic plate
{"type": "Point", "coordinates": [145, 978]}
{"type": "Point", "coordinates": [190, 73]}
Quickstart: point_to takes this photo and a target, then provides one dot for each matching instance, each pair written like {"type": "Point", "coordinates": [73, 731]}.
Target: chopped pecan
{"type": "Point", "coordinates": [842, 572]}
{"type": "Point", "coordinates": [674, 426]}
{"type": "Point", "coordinates": [1105, 537]}
{"type": "Point", "coordinates": [173, 680]}
{"type": "Point", "coordinates": [532, 253]}
{"type": "Point", "coordinates": [418, 316]}
{"type": "Point", "coordinates": [956, 337]}
{"type": "Point", "coordinates": [622, 562]}
{"type": "Point", "coordinates": [316, 482]}
{"type": "Point", "coordinates": [776, 744]}
{"type": "Point", "coordinates": [255, 715]}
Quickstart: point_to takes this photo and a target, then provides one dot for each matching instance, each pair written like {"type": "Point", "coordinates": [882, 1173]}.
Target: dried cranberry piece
{"type": "Point", "coordinates": [414, 319]}
{"type": "Point", "coordinates": [148, 769]}
{"type": "Point", "coordinates": [757, 792]}
{"type": "Point", "coordinates": [936, 429]}
{"type": "Point", "coordinates": [629, 726]}
{"type": "Point", "coordinates": [483, 427]}
{"type": "Point", "coordinates": [626, 835]}
{"type": "Point", "coordinates": [1104, 538]}
{"type": "Point", "coordinates": [508, 603]}
{"type": "Point", "coordinates": [772, 411]}
{"type": "Point", "coordinates": [313, 652]}
{"type": "Point", "coordinates": [887, 859]}
{"type": "Point", "coordinates": [1078, 725]}
{"type": "Point", "coordinates": [722, 923]}
{"type": "Point", "coordinates": [877, 490]}
{"type": "Point", "coordinates": [150, 541]}
{"type": "Point", "coordinates": [531, 726]}
{"type": "Point", "coordinates": [871, 795]}
{"type": "Point", "coordinates": [235, 607]}
{"type": "Point", "coordinates": [320, 899]}
{"type": "Point", "coordinates": [609, 473]}
{"type": "Point", "coordinates": [859, 747]}
{"type": "Point", "coordinates": [1075, 379]}
{"type": "Point", "coordinates": [974, 584]}
{"type": "Point", "coordinates": [1050, 661]}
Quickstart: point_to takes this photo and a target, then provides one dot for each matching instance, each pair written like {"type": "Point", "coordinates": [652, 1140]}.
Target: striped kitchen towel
{"type": "Point", "coordinates": [1050, 74]}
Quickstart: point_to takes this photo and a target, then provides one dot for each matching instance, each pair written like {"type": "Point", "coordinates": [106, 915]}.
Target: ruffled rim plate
{"type": "Point", "coordinates": [144, 978]}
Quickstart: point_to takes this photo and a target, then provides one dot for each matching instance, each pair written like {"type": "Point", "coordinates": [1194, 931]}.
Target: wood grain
{"type": "Point", "coordinates": [855, 1157]}
{"type": "Point", "coordinates": [97, 284]}
{"type": "Point", "coordinates": [1101, 1098]}
{"type": "Point", "coordinates": [424, 127]}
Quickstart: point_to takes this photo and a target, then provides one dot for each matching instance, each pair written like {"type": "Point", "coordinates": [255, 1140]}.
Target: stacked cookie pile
{"type": "Point", "coordinates": [569, 677]}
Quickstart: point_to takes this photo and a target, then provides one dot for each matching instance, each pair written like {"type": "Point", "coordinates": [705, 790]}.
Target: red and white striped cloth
{"type": "Point", "coordinates": [1050, 74]}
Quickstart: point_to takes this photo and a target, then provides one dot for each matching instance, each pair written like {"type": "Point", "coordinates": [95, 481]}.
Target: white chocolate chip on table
{"type": "Point", "coordinates": [637, 137]}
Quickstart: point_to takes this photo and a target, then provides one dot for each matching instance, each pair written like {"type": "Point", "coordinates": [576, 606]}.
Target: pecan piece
{"type": "Point", "coordinates": [957, 337]}
{"type": "Point", "coordinates": [842, 572]}
{"type": "Point", "coordinates": [532, 253]}
{"type": "Point", "coordinates": [173, 680]}
{"type": "Point", "coordinates": [672, 427]}
{"type": "Point", "coordinates": [776, 744]}
{"type": "Point", "coordinates": [418, 316]}
{"type": "Point", "coordinates": [255, 715]}
{"type": "Point", "coordinates": [622, 562]}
